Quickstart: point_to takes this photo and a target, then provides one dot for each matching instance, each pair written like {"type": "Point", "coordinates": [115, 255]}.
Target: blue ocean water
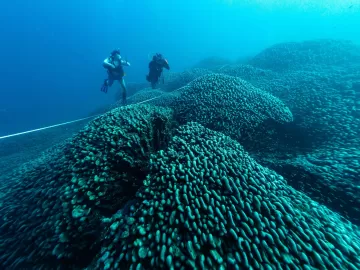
{"type": "Point", "coordinates": [51, 52]}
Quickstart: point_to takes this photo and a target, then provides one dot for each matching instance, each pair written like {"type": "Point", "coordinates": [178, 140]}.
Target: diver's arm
{"type": "Point", "coordinates": [107, 64]}
{"type": "Point", "coordinates": [125, 63]}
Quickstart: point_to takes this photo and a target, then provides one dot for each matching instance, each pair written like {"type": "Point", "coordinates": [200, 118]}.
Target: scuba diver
{"type": "Point", "coordinates": [114, 65]}
{"type": "Point", "coordinates": [155, 69]}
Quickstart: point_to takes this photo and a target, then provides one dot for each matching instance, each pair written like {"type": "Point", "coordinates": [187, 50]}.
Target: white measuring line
{"type": "Point", "coordinates": [39, 129]}
{"type": "Point", "coordinates": [70, 122]}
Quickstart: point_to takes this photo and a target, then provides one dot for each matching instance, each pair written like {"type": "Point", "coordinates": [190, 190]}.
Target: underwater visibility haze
{"type": "Point", "coordinates": [236, 148]}
{"type": "Point", "coordinates": [52, 51]}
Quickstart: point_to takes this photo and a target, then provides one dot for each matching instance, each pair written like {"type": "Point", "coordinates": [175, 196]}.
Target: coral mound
{"type": "Point", "coordinates": [50, 212]}
{"type": "Point", "coordinates": [299, 55]}
{"type": "Point", "coordinates": [228, 104]}
{"type": "Point", "coordinates": [223, 103]}
{"type": "Point", "coordinates": [207, 205]}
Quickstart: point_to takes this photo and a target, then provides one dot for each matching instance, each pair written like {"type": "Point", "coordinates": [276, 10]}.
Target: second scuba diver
{"type": "Point", "coordinates": [155, 69]}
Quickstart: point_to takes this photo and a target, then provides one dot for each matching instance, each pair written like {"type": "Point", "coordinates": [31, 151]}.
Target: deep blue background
{"type": "Point", "coordinates": [51, 51]}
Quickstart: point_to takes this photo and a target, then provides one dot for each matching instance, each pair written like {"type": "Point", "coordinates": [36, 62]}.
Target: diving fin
{"type": "Point", "coordinates": [104, 87]}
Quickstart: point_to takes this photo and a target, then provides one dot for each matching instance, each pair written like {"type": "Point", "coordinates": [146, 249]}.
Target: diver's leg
{"type": "Point", "coordinates": [110, 80]}
{"type": "Point", "coordinates": [123, 86]}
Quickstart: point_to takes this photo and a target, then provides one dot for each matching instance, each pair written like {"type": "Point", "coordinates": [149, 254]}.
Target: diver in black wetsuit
{"type": "Point", "coordinates": [155, 69]}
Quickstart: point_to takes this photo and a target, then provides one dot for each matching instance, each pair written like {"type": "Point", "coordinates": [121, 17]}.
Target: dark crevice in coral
{"type": "Point", "coordinates": [160, 134]}
{"type": "Point", "coordinates": [128, 184]}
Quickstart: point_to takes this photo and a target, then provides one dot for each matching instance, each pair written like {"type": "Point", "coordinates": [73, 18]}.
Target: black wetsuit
{"type": "Point", "coordinates": [155, 70]}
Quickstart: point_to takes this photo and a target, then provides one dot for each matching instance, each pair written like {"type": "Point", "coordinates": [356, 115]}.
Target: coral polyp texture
{"type": "Point", "coordinates": [51, 209]}
{"type": "Point", "coordinates": [223, 103]}
{"type": "Point", "coordinates": [206, 204]}
{"type": "Point", "coordinates": [329, 176]}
